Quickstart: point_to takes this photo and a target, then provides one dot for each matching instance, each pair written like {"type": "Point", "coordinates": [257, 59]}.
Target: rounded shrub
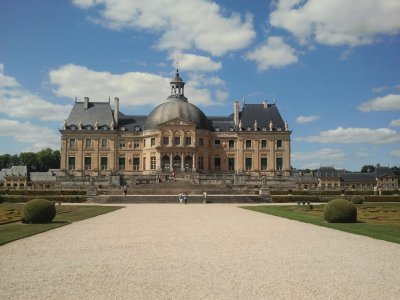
{"type": "Point", "coordinates": [340, 211]}
{"type": "Point", "coordinates": [357, 200]}
{"type": "Point", "coordinates": [38, 211]}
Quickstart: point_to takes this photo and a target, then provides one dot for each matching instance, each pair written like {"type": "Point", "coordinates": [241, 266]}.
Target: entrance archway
{"type": "Point", "coordinates": [165, 163]}
{"type": "Point", "coordinates": [188, 163]}
{"type": "Point", "coordinates": [177, 163]}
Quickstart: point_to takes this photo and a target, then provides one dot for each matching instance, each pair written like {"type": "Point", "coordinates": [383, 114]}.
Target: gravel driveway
{"type": "Point", "coordinates": [216, 251]}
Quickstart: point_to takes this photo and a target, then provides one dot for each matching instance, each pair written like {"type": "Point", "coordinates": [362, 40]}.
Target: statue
{"type": "Point", "coordinates": [286, 126]}
{"type": "Point", "coordinates": [96, 125]}
{"type": "Point", "coordinates": [65, 124]}
{"type": "Point", "coordinates": [240, 125]}
{"type": "Point", "coordinates": [112, 125]}
{"type": "Point", "coordinates": [255, 125]}
{"type": "Point", "coordinates": [80, 125]}
{"type": "Point", "coordinates": [270, 125]}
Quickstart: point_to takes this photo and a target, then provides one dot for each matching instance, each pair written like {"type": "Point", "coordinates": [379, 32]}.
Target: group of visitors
{"type": "Point", "coordinates": [183, 197]}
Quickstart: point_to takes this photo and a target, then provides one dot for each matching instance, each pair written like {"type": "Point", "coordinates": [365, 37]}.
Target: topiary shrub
{"type": "Point", "coordinates": [357, 200]}
{"type": "Point", "coordinates": [340, 211]}
{"type": "Point", "coordinates": [38, 211]}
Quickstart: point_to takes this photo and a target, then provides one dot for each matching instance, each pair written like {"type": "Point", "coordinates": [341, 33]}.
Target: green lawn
{"type": "Point", "coordinates": [66, 214]}
{"type": "Point", "coordinates": [379, 221]}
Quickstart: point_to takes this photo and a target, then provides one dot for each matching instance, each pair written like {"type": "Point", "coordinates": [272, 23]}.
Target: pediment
{"type": "Point", "coordinates": [176, 122]}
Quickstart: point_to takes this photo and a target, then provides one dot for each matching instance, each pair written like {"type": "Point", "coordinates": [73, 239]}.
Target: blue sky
{"type": "Point", "coordinates": [333, 69]}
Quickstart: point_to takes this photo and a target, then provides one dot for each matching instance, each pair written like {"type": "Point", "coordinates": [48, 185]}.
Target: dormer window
{"type": "Point", "coordinates": [104, 127]}
{"type": "Point", "coordinates": [73, 127]}
{"type": "Point", "coordinates": [217, 129]}
{"type": "Point", "coordinates": [278, 129]}
{"type": "Point", "coordinates": [231, 128]}
{"type": "Point", "coordinates": [263, 128]}
{"type": "Point", "coordinates": [89, 127]}
{"type": "Point", "coordinates": [137, 128]}
{"type": "Point", "coordinates": [248, 128]}
{"type": "Point", "coordinates": [122, 128]}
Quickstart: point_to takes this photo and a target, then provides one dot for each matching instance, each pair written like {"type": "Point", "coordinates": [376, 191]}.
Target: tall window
{"type": "Point", "coordinates": [279, 163]}
{"type": "Point", "coordinates": [201, 142]}
{"type": "Point", "coordinates": [103, 163]}
{"type": "Point", "coordinates": [121, 163]}
{"type": "Point", "coordinates": [103, 143]}
{"type": "Point", "coordinates": [136, 163]}
{"type": "Point", "coordinates": [71, 163]}
{"type": "Point", "coordinates": [88, 143]}
{"type": "Point", "coordinates": [264, 163]}
{"type": "Point", "coordinates": [165, 140]}
{"type": "Point", "coordinates": [136, 144]}
{"type": "Point", "coordinates": [152, 162]}
{"type": "Point", "coordinates": [122, 143]}
{"type": "Point", "coordinates": [231, 163]}
{"type": "Point", "coordinates": [248, 163]}
{"type": "Point", "coordinates": [217, 163]}
{"type": "Point", "coordinates": [263, 144]}
{"type": "Point", "coordinates": [231, 144]}
{"type": "Point", "coordinates": [153, 142]}
{"type": "Point", "coordinates": [188, 141]}
{"type": "Point", "coordinates": [72, 144]}
{"type": "Point", "coordinates": [248, 144]}
{"type": "Point", "coordinates": [217, 144]}
{"type": "Point", "coordinates": [177, 140]}
{"type": "Point", "coordinates": [200, 163]}
{"type": "Point", "coordinates": [88, 163]}
{"type": "Point", "coordinates": [279, 144]}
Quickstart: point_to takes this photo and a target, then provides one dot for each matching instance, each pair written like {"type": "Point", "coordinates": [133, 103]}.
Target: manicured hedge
{"type": "Point", "coordinates": [64, 199]}
{"type": "Point", "coordinates": [340, 211]}
{"type": "Point", "coordinates": [382, 198]}
{"type": "Point", "coordinates": [38, 211]}
{"type": "Point", "coordinates": [43, 192]}
{"type": "Point", "coordinates": [357, 200]}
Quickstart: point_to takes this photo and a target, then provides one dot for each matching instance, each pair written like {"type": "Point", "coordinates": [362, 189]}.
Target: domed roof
{"type": "Point", "coordinates": [176, 109]}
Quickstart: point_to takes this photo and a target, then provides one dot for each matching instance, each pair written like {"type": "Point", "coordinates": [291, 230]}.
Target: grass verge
{"type": "Point", "coordinates": [65, 215]}
{"type": "Point", "coordinates": [386, 229]}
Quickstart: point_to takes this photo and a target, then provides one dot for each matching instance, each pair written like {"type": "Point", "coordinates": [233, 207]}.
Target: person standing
{"type": "Point", "coordinates": [125, 190]}
{"type": "Point", "coordinates": [185, 198]}
{"type": "Point", "coordinates": [180, 197]}
{"type": "Point", "coordinates": [204, 197]}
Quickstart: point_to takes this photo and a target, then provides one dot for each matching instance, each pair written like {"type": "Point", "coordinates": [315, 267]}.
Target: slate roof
{"type": "Point", "coordinates": [358, 177]}
{"type": "Point", "coordinates": [383, 171]}
{"type": "Point", "coordinates": [329, 172]}
{"type": "Point", "coordinates": [132, 122]}
{"type": "Point", "coordinates": [97, 111]}
{"type": "Point", "coordinates": [222, 123]}
{"type": "Point", "coordinates": [257, 112]}
{"type": "Point", "coordinates": [15, 171]}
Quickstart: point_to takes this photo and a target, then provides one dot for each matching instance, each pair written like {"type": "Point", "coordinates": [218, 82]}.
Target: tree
{"type": "Point", "coordinates": [47, 159]}
{"type": "Point", "coordinates": [368, 169]}
{"type": "Point", "coordinates": [28, 159]}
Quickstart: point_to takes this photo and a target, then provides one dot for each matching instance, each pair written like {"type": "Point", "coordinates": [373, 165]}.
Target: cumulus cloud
{"type": "Point", "coordinates": [354, 135]}
{"type": "Point", "coordinates": [192, 62]}
{"type": "Point", "coordinates": [275, 53]}
{"type": "Point", "coordinates": [17, 102]}
{"type": "Point", "coordinates": [133, 88]}
{"type": "Point", "coordinates": [37, 137]}
{"type": "Point", "coordinates": [335, 22]}
{"type": "Point", "coordinates": [388, 102]}
{"type": "Point", "coordinates": [325, 154]}
{"type": "Point", "coordinates": [306, 119]}
{"type": "Point", "coordinates": [395, 123]}
{"type": "Point", "coordinates": [198, 24]}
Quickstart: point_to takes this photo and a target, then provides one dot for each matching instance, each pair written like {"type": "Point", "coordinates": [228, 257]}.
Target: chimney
{"type": "Point", "coordinates": [265, 103]}
{"type": "Point", "coordinates": [236, 112]}
{"type": "Point", "coordinates": [116, 110]}
{"type": "Point", "coordinates": [86, 103]}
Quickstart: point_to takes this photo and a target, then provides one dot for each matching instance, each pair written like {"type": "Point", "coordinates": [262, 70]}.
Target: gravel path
{"type": "Point", "coordinates": [218, 251]}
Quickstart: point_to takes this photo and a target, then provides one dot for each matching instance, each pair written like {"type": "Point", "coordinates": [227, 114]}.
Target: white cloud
{"type": "Point", "coordinates": [196, 24]}
{"type": "Point", "coordinates": [337, 22]}
{"type": "Point", "coordinates": [380, 89]}
{"type": "Point", "coordinates": [192, 62]}
{"type": "Point", "coordinates": [395, 153]}
{"type": "Point", "coordinates": [133, 88]}
{"type": "Point", "coordinates": [275, 53]}
{"type": "Point", "coordinates": [354, 135]}
{"type": "Point", "coordinates": [395, 123]}
{"type": "Point", "coordinates": [388, 102]}
{"type": "Point", "coordinates": [306, 119]}
{"type": "Point", "coordinates": [17, 102]}
{"type": "Point", "coordinates": [325, 154]}
{"type": "Point", "coordinates": [25, 132]}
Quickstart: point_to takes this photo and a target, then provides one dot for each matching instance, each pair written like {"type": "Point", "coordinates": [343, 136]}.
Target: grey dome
{"type": "Point", "coordinates": [176, 109]}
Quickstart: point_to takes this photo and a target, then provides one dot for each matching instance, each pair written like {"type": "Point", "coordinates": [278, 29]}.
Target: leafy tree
{"type": "Point", "coordinates": [28, 159]}
{"type": "Point", "coordinates": [396, 170]}
{"type": "Point", "coordinates": [368, 169]}
{"type": "Point", "coordinates": [47, 159]}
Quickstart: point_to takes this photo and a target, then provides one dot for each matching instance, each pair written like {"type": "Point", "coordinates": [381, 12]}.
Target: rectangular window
{"type": "Point", "coordinates": [231, 163]}
{"type": "Point", "coordinates": [248, 165]}
{"type": "Point", "coordinates": [122, 143]}
{"type": "Point", "coordinates": [71, 163]}
{"type": "Point", "coordinates": [279, 144]}
{"type": "Point", "coordinates": [136, 144]}
{"type": "Point", "coordinates": [188, 141]}
{"type": "Point", "coordinates": [264, 163]}
{"type": "Point", "coordinates": [121, 163]}
{"type": "Point", "coordinates": [153, 142]}
{"type": "Point", "coordinates": [217, 163]}
{"type": "Point", "coordinates": [177, 140]}
{"type": "Point", "coordinates": [231, 144]}
{"type": "Point", "coordinates": [201, 163]}
{"type": "Point", "coordinates": [136, 163]}
{"type": "Point", "coordinates": [88, 163]}
{"type": "Point", "coordinates": [103, 163]}
{"type": "Point", "coordinates": [217, 144]}
{"type": "Point", "coordinates": [88, 143]}
{"type": "Point", "coordinates": [263, 144]}
{"type": "Point", "coordinates": [103, 143]}
{"type": "Point", "coordinates": [166, 140]}
{"type": "Point", "coordinates": [72, 144]}
{"type": "Point", "coordinates": [248, 144]}
{"type": "Point", "coordinates": [152, 162]}
{"type": "Point", "coordinates": [279, 163]}
{"type": "Point", "coordinates": [201, 142]}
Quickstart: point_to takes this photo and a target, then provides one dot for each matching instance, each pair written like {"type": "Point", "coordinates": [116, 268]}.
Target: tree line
{"type": "Point", "coordinates": [40, 161]}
